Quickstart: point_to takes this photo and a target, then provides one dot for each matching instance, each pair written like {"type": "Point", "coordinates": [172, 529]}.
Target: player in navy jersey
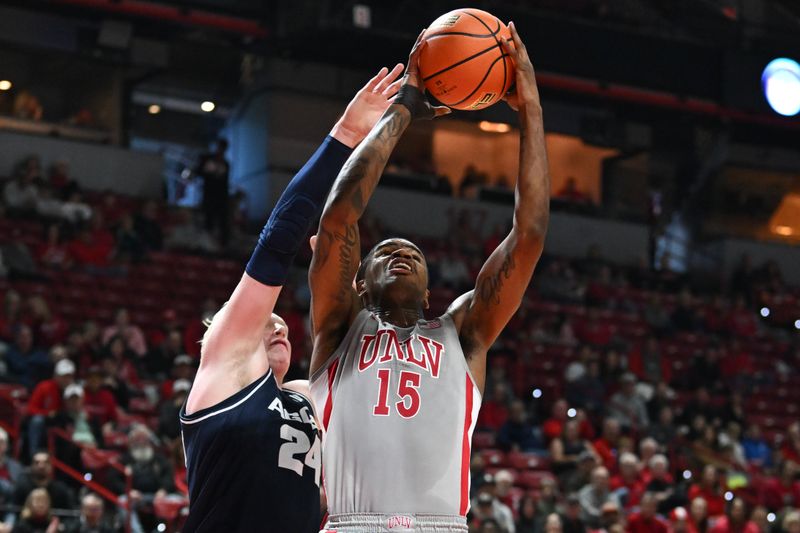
{"type": "Point", "coordinates": [251, 441]}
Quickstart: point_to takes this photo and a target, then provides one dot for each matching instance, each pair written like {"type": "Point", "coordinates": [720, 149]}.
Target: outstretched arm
{"type": "Point", "coordinates": [484, 312]}
{"type": "Point", "coordinates": [238, 328]}
{"type": "Point", "coordinates": [334, 303]}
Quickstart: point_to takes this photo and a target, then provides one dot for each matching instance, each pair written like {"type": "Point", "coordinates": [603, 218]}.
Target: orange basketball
{"type": "Point", "coordinates": [463, 64]}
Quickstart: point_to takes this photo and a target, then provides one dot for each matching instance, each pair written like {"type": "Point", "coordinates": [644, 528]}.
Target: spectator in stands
{"type": "Point", "coordinates": [126, 371]}
{"type": "Point", "coordinates": [553, 524]}
{"type": "Point", "coordinates": [152, 473]}
{"type": "Point", "coordinates": [27, 364]}
{"type": "Point", "coordinates": [593, 496]}
{"type": "Point", "coordinates": [40, 475]}
{"type": "Point", "coordinates": [709, 489]}
{"type": "Point", "coordinates": [48, 328]}
{"type": "Point", "coordinates": [649, 363]}
{"type": "Point", "coordinates": [477, 470]}
{"type": "Point", "coordinates": [581, 475]}
{"type": "Point", "coordinates": [681, 522]}
{"type": "Point", "coordinates": [659, 482]}
{"type": "Point", "coordinates": [646, 521]}
{"type": "Point", "coordinates": [185, 235]}
{"type": "Point", "coordinates": [46, 401]}
{"type": "Point", "coordinates": [159, 359]}
{"type": "Point", "coordinates": [607, 445]}
{"type": "Point", "coordinates": [613, 367]}
{"type": "Point", "coordinates": [664, 431]}
{"type": "Point", "coordinates": [113, 382]}
{"type": "Point", "coordinates": [91, 518]}
{"type": "Point", "coordinates": [784, 490]}
{"type": "Point", "coordinates": [735, 520]}
{"type": "Point", "coordinates": [756, 450]}
{"type": "Point", "coordinates": [627, 406]}
{"type": "Point", "coordinates": [569, 192]}
{"type": "Point", "coordinates": [61, 181]}
{"type": "Point", "coordinates": [129, 248]}
{"type": "Point", "coordinates": [570, 519]}
{"type": "Point", "coordinates": [148, 227]}
{"type": "Point", "coordinates": [518, 433]}
{"type": "Point", "coordinates": [130, 333]}
{"type": "Point", "coordinates": [628, 486]}
{"type": "Point", "coordinates": [698, 514]}
{"type": "Point", "coordinates": [554, 426]}
{"type": "Point", "coordinates": [36, 516]}
{"type": "Point", "coordinates": [100, 402]}
{"type": "Point", "coordinates": [549, 496]}
{"type": "Point", "coordinates": [10, 315]}
{"type": "Point", "coordinates": [21, 193]}
{"type": "Point", "coordinates": [527, 518]}
{"type": "Point", "coordinates": [791, 522]}
{"type": "Point", "coordinates": [503, 484]}
{"type": "Point", "coordinates": [183, 368]}
{"type": "Point", "coordinates": [74, 418]}
{"type": "Point", "coordinates": [612, 519]}
{"type": "Point", "coordinates": [10, 469]}
{"type": "Point", "coordinates": [168, 422]}
{"type": "Point", "coordinates": [486, 505]}
{"type": "Point", "coordinates": [90, 253]}
{"type": "Point", "coordinates": [589, 391]}
{"type": "Point", "coordinates": [71, 210]}
{"type": "Point", "coordinates": [53, 253]}
{"type": "Point", "coordinates": [213, 169]}
{"type": "Point", "coordinates": [494, 412]}
{"type": "Point", "coordinates": [566, 450]}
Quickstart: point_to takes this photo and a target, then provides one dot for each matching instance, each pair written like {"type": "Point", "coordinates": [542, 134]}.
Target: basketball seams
{"type": "Point", "coordinates": [459, 63]}
{"type": "Point", "coordinates": [497, 35]}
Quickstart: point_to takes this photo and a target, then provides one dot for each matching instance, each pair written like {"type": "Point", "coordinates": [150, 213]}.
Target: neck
{"type": "Point", "coordinates": [398, 316]}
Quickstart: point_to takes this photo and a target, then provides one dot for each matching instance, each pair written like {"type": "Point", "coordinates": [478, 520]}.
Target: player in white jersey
{"type": "Point", "coordinates": [398, 394]}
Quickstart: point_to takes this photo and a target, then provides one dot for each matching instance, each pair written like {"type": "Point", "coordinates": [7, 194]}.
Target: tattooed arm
{"type": "Point", "coordinates": [334, 303]}
{"type": "Point", "coordinates": [482, 313]}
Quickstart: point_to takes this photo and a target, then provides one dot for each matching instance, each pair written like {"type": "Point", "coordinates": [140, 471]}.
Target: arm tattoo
{"type": "Point", "coordinates": [490, 287]}
{"type": "Point", "coordinates": [348, 240]}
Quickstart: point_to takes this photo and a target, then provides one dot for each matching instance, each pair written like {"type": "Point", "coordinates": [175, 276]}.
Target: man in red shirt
{"type": "Point", "coordinates": [606, 445]}
{"type": "Point", "coordinates": [628, 484]}
{"type": "Point", "coordinates": [98, 401]}
{"type": "Point", "coordinates": [46, 401]}
{"type": "Point", "coordinates": [646, 521]}
{"type": "Point", "coordinates": [554, 426]}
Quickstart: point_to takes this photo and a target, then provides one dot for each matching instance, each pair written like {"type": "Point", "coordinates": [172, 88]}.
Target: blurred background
{"type": "Point", "coordinates": [669, 283]}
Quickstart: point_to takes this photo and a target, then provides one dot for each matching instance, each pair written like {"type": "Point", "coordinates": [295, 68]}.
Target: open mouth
{"type": "Point", "coordinates": [400, 266]}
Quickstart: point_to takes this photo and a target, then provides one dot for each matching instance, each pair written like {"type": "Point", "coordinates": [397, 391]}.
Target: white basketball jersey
{"type": "Point", "coordinates": [398, 406]}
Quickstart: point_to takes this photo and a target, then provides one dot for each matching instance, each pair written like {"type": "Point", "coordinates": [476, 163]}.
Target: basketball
{"type": "Point", "coordinates": [463, 64]}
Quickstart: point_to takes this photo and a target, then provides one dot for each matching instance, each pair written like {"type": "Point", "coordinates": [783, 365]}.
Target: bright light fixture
{"type": "Point", "coordinates": [5, 85]}
{"type": "Point", "coordinates": [207, 106]}
{"type": "Point", "coordinates": [780, 82]}
{"type": "Point", "coordinates": [494, 127]}
{"type": "Point", "coordinates": [154, 109]}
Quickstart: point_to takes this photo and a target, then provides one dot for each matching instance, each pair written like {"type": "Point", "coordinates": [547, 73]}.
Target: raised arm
{"type": "Point", "coordinates": [483, 313]}
{"type": "Point", "coordinates": [334, 302]}
{"type": "Point", "coordinates": [238, 329]}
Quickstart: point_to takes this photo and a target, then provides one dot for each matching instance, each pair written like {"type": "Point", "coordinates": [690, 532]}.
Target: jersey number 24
{"type": "Point", "coordinates": [297, 444]}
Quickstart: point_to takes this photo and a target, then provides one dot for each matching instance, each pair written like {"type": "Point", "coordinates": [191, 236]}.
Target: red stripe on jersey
{"type": "Point", "coordinates": [329, 401]}
{"type": "Point", "coordinates": [465, 451]}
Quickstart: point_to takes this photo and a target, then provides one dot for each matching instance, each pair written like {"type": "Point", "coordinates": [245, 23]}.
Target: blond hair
{"type": "Point", "coordinates": [27, 510]}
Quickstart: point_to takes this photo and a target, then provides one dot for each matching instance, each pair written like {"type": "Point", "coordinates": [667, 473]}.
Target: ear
{"type": "Point", "coordinates": [361, 288]}
{"type": "Point", "coordinates": [312, 242]}
{"type": "Point", "coordinates": [425, 304]}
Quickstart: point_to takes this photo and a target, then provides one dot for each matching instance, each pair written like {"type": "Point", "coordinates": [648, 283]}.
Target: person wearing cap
{"type": "Point", "coordinates": [100, 403]}
{"type": "Point", "coordinates": [571, 517]}
{"type": "Point", "coordinates": [46, 401]}
{"type": "Point", "coordinates": [183, 367]}
{"type": "Point", "coordinates": [76, 421]}
{"type": "Point", "coordinates": [486, 505]}
{"type": "Point", "coordinates": [627, 406]}
{"type": "Point", "coordinates": [680, 521]}
{"type": "Point", "coordinates": [503, 481]}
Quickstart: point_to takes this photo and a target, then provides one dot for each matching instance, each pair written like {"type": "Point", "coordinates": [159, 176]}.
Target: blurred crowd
{"type": "Point", "coordinates": [619, 398]}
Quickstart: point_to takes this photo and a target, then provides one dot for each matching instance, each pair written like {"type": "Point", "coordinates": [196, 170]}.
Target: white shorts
{"type": "Point", "coordinates": [395, 523]}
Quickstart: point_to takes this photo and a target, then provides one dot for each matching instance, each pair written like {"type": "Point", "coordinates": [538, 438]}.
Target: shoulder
{"type": "Point", "coordinates": [300, 386]}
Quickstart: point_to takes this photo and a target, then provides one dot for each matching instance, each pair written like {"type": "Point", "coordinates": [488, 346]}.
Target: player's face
{"type": "Point", "coordinates": [398, 270]}
{"type": "Point", "coordinates": [279, 349]}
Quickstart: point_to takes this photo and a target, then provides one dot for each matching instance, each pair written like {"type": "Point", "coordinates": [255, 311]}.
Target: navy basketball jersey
{"type": "Point", "coordinates": [253, 463]}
